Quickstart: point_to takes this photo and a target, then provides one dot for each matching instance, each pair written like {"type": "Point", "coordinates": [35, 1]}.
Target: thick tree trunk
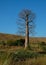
{"type": "Point", "coordinates": [27, 34]}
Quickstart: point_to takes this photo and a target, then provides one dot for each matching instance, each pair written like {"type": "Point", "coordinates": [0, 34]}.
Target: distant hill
{"type": "Point", "coordinates": [5, 37]}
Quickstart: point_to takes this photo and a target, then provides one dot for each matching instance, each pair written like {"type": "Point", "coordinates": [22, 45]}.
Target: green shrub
{"type": "Point", "coordinates": [43, 46]}
{"type": "Point", "coordinates": [43, 43]}
{"type": "Point", "coordinates": [20, 42]}
{"type": "Point", "coordinates": [23, 55]}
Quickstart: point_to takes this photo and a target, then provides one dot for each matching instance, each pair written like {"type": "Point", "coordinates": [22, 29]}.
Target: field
{"type": "Point", "coordinates": [17, 55]}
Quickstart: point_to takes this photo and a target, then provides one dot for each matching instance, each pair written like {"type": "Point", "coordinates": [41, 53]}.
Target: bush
{"type": "Point", "coordinates": [43, 43]}
{"type": "Point", "coordinates": [23, 55]}
{"type": "Point", "coordinates": [43, 46]}
{"type": "Point", "coordinates": [20, 42]}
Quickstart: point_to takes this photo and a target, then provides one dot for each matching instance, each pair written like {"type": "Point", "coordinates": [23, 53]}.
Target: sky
{"type": "Point", "coordinates": [9, 10]}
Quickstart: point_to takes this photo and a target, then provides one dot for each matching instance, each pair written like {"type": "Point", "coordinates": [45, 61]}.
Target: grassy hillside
{"type": "Point", "coordinates": [36, 43]}
{"type": "Point", "coordinates": [17, 55]}
{"type": "Point", "coordinates": [5, 37]}
{"type": "Point", "coordinates": [8, 37]}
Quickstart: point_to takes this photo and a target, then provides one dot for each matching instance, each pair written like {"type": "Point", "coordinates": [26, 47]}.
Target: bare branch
{"type": "Point", "coordinates": [26, 24]}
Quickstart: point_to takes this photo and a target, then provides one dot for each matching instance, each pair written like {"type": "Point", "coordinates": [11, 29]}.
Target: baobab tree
{"type": "Point", "coordinates": [26, 24]}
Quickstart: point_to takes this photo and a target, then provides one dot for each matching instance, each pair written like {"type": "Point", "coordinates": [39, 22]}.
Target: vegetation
{"type": "Point", "coordinates": [6, 37]}
{"type": "Point", "coordinates": [12, 52]}
{"type": "Point", "coordinates": [24, 54]}
{"type": "Point", "coordinates": [43, 46]}
{"type": "Point", "coordinates": [22, 57]}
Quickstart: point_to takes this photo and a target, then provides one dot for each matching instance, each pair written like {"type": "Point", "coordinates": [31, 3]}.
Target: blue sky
{"type": "Point", "coordinates": [9, 10]}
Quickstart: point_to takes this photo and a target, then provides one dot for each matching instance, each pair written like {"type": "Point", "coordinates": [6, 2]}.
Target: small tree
{"type": "Point", "coordinates": [26, 24]}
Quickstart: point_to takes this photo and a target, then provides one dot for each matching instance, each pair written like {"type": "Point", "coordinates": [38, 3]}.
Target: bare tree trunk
{"type": "Point", "coordinates": [27, 34]}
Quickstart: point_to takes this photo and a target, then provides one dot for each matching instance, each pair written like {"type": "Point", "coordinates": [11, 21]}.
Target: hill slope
{"type": "Point", "coordinates": [5, 37]}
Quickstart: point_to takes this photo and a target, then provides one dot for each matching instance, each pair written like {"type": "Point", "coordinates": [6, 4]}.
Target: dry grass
{"type": "Point", "coordinates": [35, 47]}
{"type": "Point", "coordinates": [34, 61]}
{"type": "Point", "coordinates": [6, 37]}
